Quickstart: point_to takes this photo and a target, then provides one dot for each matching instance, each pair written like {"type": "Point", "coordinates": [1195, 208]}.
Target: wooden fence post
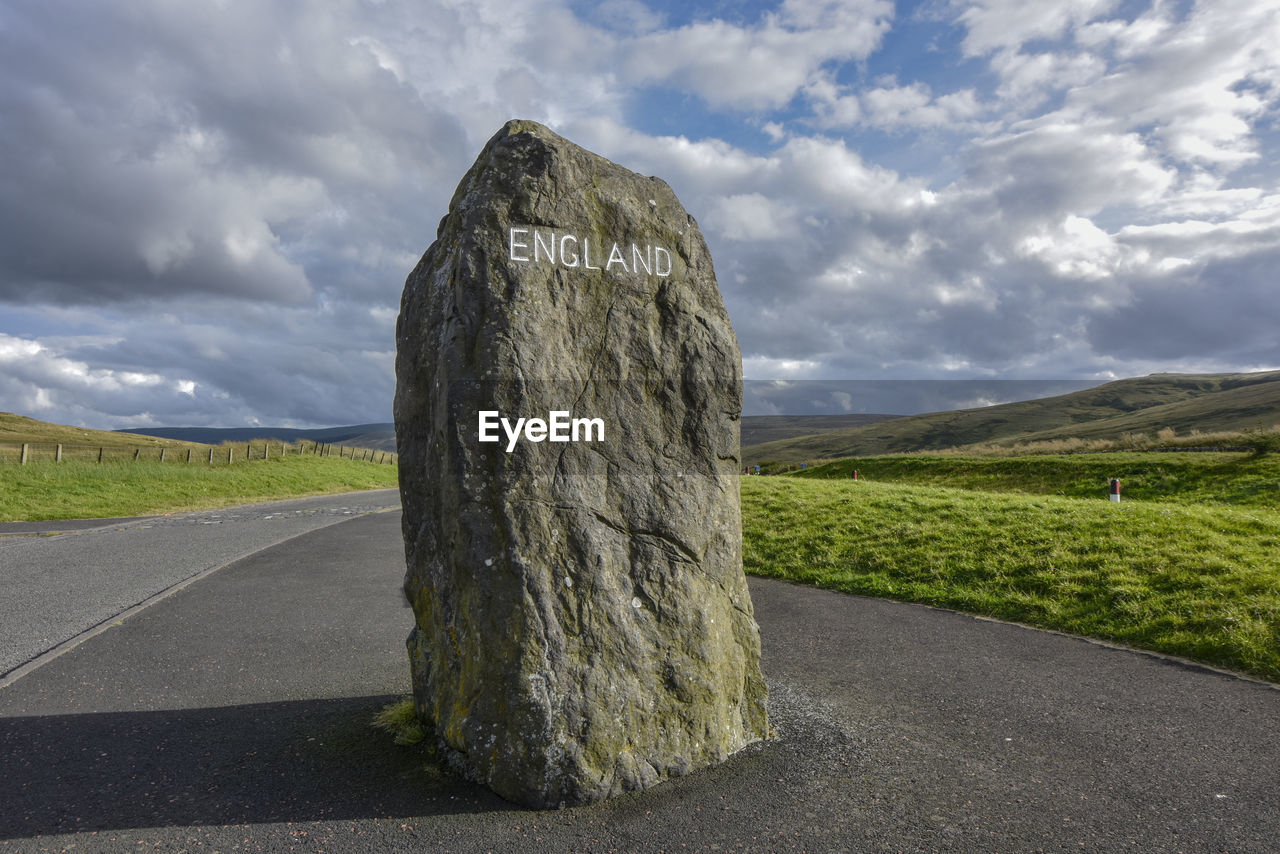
{"type": "Point", "coordinates": [100, 450]}
{"type": "Point", "coordinates": [24, 453]}
{"type": "Point", "coordinates": [162, 450]}
{"type": "Point", "coordinates": [57, 454]}
{"type": "Point", "coordinates": [136, 451]}
{"type": "Point", "coordinates": [211, 456]}
{"type": "Point", "coordinates": [188, 455]}
{"type": "Point", "coordinates": [266, 450]}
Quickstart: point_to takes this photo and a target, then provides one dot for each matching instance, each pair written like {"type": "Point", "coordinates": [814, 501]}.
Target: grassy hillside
{"type": "Point", "coordinates": [379, 437]}
{"type": "Point", "coordinates": [758, 429]}
{"type": "Point", "coordinates": [81, 487]}
{"type": "Point", "coordinates": [1248, 406]}
{"type": "Point", "coordinates": [19, 429]}
{"type": "Point", "coordinates": [1196, 581]}
{"type": "Point", "coordinates": [1146, 404]}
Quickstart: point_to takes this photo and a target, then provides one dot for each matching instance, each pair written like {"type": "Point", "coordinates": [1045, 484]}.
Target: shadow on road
{"type": "Point", "coordinates": [308, 760]}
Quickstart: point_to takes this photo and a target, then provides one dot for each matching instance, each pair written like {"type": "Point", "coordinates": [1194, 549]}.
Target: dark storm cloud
{"type": "Point", "coordinates": [250, 185]}
{"type": "Point", "coordinates": [151, 152]}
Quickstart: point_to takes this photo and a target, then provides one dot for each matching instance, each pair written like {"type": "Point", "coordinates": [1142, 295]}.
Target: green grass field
{"type": "Point", "coordinates": [1178, 575]}
{"type": "Point", "coordinates": [76, 489]}
{"type": "Point", "coordinates": [1188, 478]}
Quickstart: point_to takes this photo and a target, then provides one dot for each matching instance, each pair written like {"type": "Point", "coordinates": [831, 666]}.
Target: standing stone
{"type": "Point", "coordinates": [583, 625]}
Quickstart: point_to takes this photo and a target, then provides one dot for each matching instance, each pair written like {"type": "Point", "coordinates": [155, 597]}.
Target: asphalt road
{"type": "Point", "coordinates": [61, 579]}
{"type": "Point", "coordinates": [234, 715]}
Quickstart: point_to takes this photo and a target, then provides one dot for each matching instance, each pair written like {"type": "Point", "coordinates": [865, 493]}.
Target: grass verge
{"type": "Point", "coordinates": [1198, 582]}
{"type": "Point", "coordinates": [1182, 477]}
{"type": "Point", "coordinates": [75, 490]}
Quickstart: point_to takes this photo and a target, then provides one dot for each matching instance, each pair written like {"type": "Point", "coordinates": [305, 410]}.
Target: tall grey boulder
{"type": "Point", "coordinates": [583, 626]}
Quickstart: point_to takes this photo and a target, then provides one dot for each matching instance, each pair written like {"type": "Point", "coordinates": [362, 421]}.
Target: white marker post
{"type": "Point", "coordinates": [1115, 489]}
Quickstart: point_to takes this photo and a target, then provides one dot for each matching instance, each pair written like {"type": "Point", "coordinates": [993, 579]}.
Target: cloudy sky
{"type": "Point", "coordinates": [208, 208]}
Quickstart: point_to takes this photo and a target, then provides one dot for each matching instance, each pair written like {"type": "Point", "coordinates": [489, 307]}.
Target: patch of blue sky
{"type": "Point", "coordinates": [680, 14]}
{"type": "Point", "coordinates": [661, 111]}
{"type": "Point", "coordinates": [922, 45]}
{"type": "Point", "coordinates": [39, 321]}
{"type": "Point", "coordinates": [619, 15]}
{"type": "Point", "coordinates": [933, 155]}
{"type": "Point", "coordinates": [1264, 170]}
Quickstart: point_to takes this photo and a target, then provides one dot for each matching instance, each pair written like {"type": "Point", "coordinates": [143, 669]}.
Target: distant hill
{"type": "Point", "coordinates": [1145, 404]}
{"type": "Point", "coordinates": [758, 429]}
{"type": "Point", "coordinates": [378, 437]}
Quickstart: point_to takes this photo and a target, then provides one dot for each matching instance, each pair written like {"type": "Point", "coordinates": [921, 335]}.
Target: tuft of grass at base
{"type": "Point", "coordinates": [77, 489]}
{"type": "Point", "coordinates": [1197, 582]}
{"type": "Point", "coordinates": [399, 720]}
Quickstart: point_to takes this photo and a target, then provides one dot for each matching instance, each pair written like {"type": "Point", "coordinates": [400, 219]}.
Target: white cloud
{"type": "Point", "coordinates": [1059, 169]}
{"type": "Point", "coordinates": [761, 66]}
{"type": "Point", "coordinates": [915, 106]}
{"type": "Point", "coordinates": [1028, 80]}
{"type": "Point", "coordinates": [1074, 248]}
{"type": "Point", "coordinates": [996, 24]}
{"type": "Point", "coordinates": [752, 216]}
{"type": "Point", "coordinates": [38, 379]}
{"type": "Point", "coordinates": [1193, 88]}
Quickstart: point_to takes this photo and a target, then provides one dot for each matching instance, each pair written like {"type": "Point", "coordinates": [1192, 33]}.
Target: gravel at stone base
{"type": "Point", "coordinates": [54, 587]}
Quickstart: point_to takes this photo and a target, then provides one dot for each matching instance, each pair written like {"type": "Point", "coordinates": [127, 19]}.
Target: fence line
{"type": "Point", "coordinates": [23, 453]}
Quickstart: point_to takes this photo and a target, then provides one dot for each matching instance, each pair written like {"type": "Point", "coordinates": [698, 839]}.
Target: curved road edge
{"type": "Point", "coordinates": [312, 513]}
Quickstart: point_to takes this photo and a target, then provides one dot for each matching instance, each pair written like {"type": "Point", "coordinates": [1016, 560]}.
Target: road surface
{"type": "Point", "coordinates": [234, 715]}
{"type": "Point", "coordinates": [61, 579]}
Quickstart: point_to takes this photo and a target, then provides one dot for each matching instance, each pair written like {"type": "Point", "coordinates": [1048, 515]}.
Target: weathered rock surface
{"type": "Point", "coordinates": [583, 626]}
